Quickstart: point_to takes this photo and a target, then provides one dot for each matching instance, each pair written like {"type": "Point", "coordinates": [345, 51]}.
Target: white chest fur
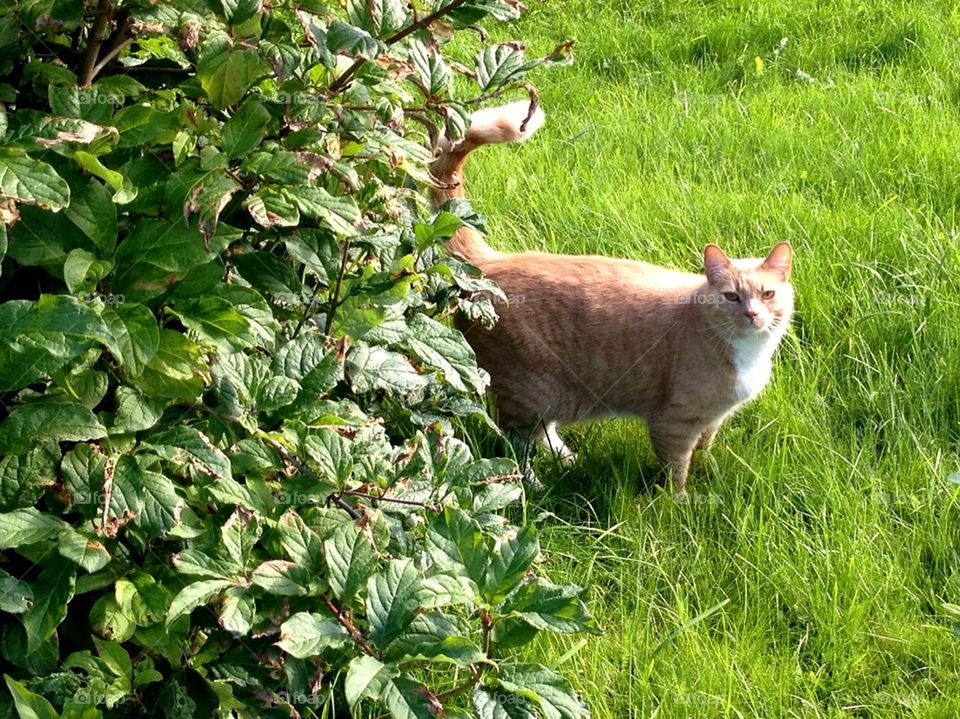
{"type": "Point", "coordinates": [753, 361]}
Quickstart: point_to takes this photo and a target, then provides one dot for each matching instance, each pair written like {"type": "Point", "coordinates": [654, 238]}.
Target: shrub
{"type": "Point", "coordinates": [235, 479]}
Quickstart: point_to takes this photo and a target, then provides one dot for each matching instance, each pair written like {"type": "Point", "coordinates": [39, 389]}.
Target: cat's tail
{"type": "Point", "coordinates": [508, 123]}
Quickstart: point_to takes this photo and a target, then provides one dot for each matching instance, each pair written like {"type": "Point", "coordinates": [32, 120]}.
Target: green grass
{"type": "Point", "coordinates": [823, 521]}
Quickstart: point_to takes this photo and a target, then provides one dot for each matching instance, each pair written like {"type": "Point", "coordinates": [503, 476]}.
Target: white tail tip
{"type": "Point", "coordinates": [505, 123]}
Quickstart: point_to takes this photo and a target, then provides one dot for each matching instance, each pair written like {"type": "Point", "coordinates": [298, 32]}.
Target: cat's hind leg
{"type": "Point", "coordinates": [555, 445]}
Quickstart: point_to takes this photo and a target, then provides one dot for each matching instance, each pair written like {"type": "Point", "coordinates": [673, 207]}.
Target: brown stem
{"type": "Point", "coordinates": [381, 498]}
{"type": "Point", "coordinates": [349, 626]}
{"type": "Point", "coordinates": [335, 293]}
{"type": "Point", "coordinates": [94, 41]}
{"type": "Point", "coordinates": [114, 51]}
{"type": "Point", "coordinates": [340, 84]}
{"type": "Point", "coordinates": [305, 470]}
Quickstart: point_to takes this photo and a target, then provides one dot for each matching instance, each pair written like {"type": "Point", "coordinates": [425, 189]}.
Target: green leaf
{"type": "Point", "coordinates": [135, 412]}
{"type": "Point", "coordinates": [306, 355]}
{"type": "Point", "coordinates": [44, 336]}
{"type": "Point", "coordinates": [135, 335]}
{"type": "Point", "coordinates": [494, 703]}
{"type": "Point", "coordinates": [16, 597]}
{"type": "Point", "coordinates": [115, 657]}
{"type": "Point", "coordinates": [346, 39]}
{"type": "Point", "coordinates": [273, 207]}
{"type": "Point", "coordinates": [28, 704]}
{"type": "Point", "coordinates": [238, 12]}
{"type": "Point", "coordinates": [472, 11]}
{"type": "Point", "coordinates": [550, 607]}
{"type": "Point", "coordinates": [371, 368]}
{"type": "Point", "coordinates": [190, 446]}
{"type": "Point", "coordinates": [63, 422]}
{"type": "Point", "coordinates": [381, 17]}
{"type": "Point", "coordinates": [84, 549]}
{"type": "Point", "coordinates": [367, 678]}
{"type": "Point", "coordinates": [193, 596]}
{"type": "Point", "coordinates": [227, 72]}
{"type": "Point", "coordinates": [92, 210]}
{"type": "Point", "coordinates": [215, 320]}
{"type": "Point", "coordinates": [198, 562]}
{"type": "Point", "coordinates": [177, 371]}
{"type": "Point", "coordinates": [340, 214]}
{"type": "Point", "coordinates": [245, 129]}
{"type": "Point", "coordinates": [160, 504]}
{"type": "Point", "coordinates": [553, 693]}
{"type": "Point", "coordinates": [281, 166]}
{"type": "Point", "coordinates": [280, 577]}
{"type": "Point", "coordinates": [434, 74]}
{"type": "Point", "coordinates": [392, 600]}
{"type": "Point", "coordinates": [238, 611]}
{"type": "Point", "coordinates": [406, 698]}
{"type": "Point", "coordinates": [52, 591]}
{"type": "Point", "coordinates": [240, 533]}
{"type": "Point", "coordinates": [454, 541]}
{"type": "Point", "coordinates": [82, 271]}
{"type": "Point", "coordinates": [24, 478]}
{"type": "Point", "coordinates": [512, 556]}
{"type": "Point", "coordinates": [350, 559]}
{"type": "Point", "coordinates": [26, 526]}
{"type": "Point", "coordinates": [270, 274]}
{"type": "Point", "coordinates": [124, 190]}
{"type": "Point", "coordinates": [301, 543]}
{"type": "Point", "coordinates": [498, 65]}
{"type": "Point", "coordinates": [446, 349]}
{"type": "Point", "coordinates": [30, 181]}
{"type": "Point", "coordinates": [327, 453]}
{"type": "Point", "coordinates": [306, 635]}
{"type": "Point", "coordinates": [158, 254]}
{"type": "Point", "coordinates": [451, 649]}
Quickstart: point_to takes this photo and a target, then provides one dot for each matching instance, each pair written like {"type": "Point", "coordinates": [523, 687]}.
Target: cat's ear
{"type": "Point", "coordinates": [779, 260]}
{"type": "Point", "coordinates": [716, 265]}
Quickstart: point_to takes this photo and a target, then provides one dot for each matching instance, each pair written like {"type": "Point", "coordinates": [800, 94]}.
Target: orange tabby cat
{"type": "Point", "coordinates": [586, 337]}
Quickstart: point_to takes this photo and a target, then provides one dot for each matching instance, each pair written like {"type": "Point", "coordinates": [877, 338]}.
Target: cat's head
{"type": "Point", "coordinates": [751, 296]}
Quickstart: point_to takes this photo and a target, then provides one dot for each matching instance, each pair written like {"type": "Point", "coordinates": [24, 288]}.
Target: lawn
{"type": "Point", "coordinates": [807, 576]}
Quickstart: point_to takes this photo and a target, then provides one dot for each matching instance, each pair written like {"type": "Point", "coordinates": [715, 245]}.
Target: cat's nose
{"type": "Point", "coordinates": [750, 315]}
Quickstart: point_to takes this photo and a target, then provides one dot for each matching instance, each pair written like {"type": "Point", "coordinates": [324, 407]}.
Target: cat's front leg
{"type": "Point", "coordinates": [673, 445]}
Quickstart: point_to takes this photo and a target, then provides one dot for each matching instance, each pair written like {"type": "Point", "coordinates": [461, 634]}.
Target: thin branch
{"type": "Point", "coordinates": [121, 38]}
{"type": "Point", "coordinates": [349, 626]}
{"type": "Point", "coordinates": [381, 498]}
{"type": "Point", "coordinates": [306, 310]}
{"type": "Point", "coordinates": [305, 470]}
{"type": "Point", "coordinates": [94, 41]}
{"type": "Point", "coordinates": [335, 292]}
{"type": "Point", "coordinates": [423, 22]}
{"type": "Point", "coordinates": [340, 84]}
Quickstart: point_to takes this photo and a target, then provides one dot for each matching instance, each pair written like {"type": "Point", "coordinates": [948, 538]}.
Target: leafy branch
{"type": "Point", "coordinates": [341, 83]}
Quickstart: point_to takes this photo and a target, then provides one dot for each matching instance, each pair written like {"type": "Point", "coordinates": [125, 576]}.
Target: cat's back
{"type": "Point", "coordinates": [587, 275]}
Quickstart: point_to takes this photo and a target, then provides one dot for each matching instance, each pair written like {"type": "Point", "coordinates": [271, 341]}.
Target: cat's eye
{"type": "Point", "coordinates": [767, 294]}
{"type": "Point", "coordinates": [731, 296]}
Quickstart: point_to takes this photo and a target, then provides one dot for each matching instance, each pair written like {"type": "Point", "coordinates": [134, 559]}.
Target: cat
{"type": "Point", "coordinates": [585, 337]}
